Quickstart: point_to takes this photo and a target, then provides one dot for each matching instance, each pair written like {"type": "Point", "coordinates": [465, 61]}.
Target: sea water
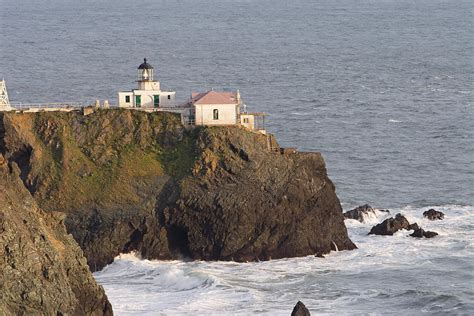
{"type": "Point", "coordinates": [386, 275]}
{"type": "Point", "coordinates": [383, 88]}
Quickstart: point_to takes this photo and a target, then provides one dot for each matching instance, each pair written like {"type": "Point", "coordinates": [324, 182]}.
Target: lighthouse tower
{"type": "Point", "coordinates": [148, 93]}
{"type": "Point", "coordinates": [145, 77]}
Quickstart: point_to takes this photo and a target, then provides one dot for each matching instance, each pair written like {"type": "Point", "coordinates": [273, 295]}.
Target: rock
{"type": "Point", "coordinates": [135, 181]}
{"type": "Point", "coordinates": [42, 269]}
{"type": "Point", "coordinates": [361, 213]}
{"type": "Point", "coordinates": [430, 234]}
{"type": "Point", "coordinates": [432, 214]}
{"type": "Point", "coordinates": [390, 225]}
{"type": "Point", "coordinates": [413, 226]}
{"type": "Point", "coordinates": [300, 310]}
{"type": "Point", "coordinates": [419, 233]}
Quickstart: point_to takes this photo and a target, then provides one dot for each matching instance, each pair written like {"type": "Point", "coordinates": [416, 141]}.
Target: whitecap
{"type": "Point", "coordinates": [339, 284]}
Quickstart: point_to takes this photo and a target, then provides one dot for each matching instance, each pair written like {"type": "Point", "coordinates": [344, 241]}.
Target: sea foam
{"type": "Point", "coordinates": [387, 274]}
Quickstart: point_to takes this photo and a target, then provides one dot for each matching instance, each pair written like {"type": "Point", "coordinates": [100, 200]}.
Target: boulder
{"type": "Point", "coordinates": [361, 213]}
{"type": "Point", "coordinates": [433, 214]}
{"type": "Point", "coordinates": [429, 234]}
{"type": "Point", "coordinates": [419, 233]}
{"type": "Point", "coordinates": [300, 310]}
{"type": "Point", "coordinates": [390, 225]}
{"type": "Point", "coordinates": [413, 226]}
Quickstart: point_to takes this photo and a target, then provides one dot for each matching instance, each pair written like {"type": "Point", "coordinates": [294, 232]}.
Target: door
{"type": "Point", "coordinates": [138, 100]}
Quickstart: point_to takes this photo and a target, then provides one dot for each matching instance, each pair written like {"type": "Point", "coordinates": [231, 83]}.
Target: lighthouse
{"type": "Point", "coordinates": [148, 93]}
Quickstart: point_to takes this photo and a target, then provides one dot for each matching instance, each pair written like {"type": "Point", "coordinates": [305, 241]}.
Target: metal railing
{"type": "Point", "coordinates": [53, 105]}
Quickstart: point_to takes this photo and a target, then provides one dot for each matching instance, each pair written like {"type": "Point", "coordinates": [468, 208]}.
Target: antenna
{"type": "Point", "coordinates": [4, 101]}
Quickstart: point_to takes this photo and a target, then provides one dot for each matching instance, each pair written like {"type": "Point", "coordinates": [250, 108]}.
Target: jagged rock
{"type": "Point", "coordinates": [390, 225]}
{"type": "Point", "coordinates": [42, 269]}
{"type": "Point", "coordinates": [419, 233]}
{"type": "Point", "coordinates": [300, 310]}
{"type": "Point", "coordinates": [432, 214]}
{"type": "Point", "coordinates": [413, 226]}
{"type": "Point", "coordinates": [130, 180]}
{"type": "Point", "coordinates": [362, 212]}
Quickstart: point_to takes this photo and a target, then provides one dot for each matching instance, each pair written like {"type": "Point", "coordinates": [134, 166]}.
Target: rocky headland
{"type": "Point", "coordinates": [134, 181]}
{"type": "Point", "coordinates": [42, 269]}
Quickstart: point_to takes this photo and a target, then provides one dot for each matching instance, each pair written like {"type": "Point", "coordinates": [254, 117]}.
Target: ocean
{"type": "Point", "coordinates": [383, 89]}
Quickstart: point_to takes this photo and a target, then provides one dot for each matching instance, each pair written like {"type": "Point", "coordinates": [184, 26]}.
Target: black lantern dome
{"type": "Point", "coordinates": [145, 71]}
{"type": "Point", "coordinates": [145, 65]}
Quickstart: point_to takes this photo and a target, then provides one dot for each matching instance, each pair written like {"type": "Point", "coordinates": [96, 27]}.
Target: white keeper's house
{"type": "Point", "coordinates": [203, 108]}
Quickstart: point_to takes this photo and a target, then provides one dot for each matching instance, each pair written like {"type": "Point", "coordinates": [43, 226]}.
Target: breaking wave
{"type": "Point", "coordinates": [386, 275]}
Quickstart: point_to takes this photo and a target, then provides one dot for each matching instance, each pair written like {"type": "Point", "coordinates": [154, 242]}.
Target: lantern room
{"type": "Point", "coordinates": [145, 71]}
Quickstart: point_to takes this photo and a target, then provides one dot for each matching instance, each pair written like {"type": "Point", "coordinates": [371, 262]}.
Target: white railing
{"type": "Point", "coordinates": [55, 105]}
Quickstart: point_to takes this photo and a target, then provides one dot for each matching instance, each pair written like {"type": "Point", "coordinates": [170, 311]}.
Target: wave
{"type": "Point", "coordinates": [387, 274]}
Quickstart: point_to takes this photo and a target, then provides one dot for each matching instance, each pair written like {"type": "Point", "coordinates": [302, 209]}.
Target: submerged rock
{"type": "Point", "coordinates": [433, 214]}
{"type": "Point", "coordinates": [136, 181]}
{"type": "Point", "coordinates": [419, 233]}
{"type": "Point", "coordinates": [300, 310]}
{"type": "Point", "coordinates": [390, 225]}
{"type": "Point", "coordinates": [42, 269]}
{"type": "Point", "coordinates": [361, 213]}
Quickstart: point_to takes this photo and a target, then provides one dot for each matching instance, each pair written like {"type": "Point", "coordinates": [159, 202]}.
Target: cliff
{"type": "Point", "coordinates": [42, 269]}
{"type": "Point", "coordinates": [130, 180]}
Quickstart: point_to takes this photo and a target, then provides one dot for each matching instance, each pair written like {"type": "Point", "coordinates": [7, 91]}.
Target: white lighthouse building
{"type": "Point", "coordinates": [148, 95]}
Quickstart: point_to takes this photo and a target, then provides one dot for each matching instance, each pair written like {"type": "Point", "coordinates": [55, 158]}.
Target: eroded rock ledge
{"type": "Point", "coordinates": [130, 180]}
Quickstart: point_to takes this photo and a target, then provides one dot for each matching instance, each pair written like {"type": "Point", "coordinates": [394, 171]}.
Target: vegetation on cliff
{"type": "Point", "coordinates": [129, 180]}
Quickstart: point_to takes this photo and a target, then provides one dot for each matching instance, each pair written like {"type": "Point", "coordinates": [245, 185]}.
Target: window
{"type": "Point", "coordinates": [138, 100]}
{"type": "Point", "coordinates": [215, 113]}
{"type": "Point", "coordinates": [127, 99]}
{"type": "Point", "coordinates": [246, 120]}
{"type": "Point", "coordinates": [156, 101]}
{"type": "Point", "coordinates": [169, 97]}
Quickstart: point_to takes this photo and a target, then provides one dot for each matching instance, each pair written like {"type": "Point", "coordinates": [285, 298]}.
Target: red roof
{"type": "Point", "coordinates": [214, 97]}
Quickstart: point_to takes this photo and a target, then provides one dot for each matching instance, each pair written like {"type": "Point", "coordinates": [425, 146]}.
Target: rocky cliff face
{"type": "Point", "coordinates": [129, 180]}
{"type": "Point", "coordinates": [42, 269]}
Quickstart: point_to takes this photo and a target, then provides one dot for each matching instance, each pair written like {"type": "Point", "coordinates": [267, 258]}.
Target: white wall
{"type": "Point", "coordinates": [121, 99]}
{"type": "Point", "coordinates": [147, 98]}
{"type": "Point", "coordinates": [205, 114]}
{"type": "Point", "coordinates": [149, 85]}
{"type": "Point", "coordinates": [250, 124]}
